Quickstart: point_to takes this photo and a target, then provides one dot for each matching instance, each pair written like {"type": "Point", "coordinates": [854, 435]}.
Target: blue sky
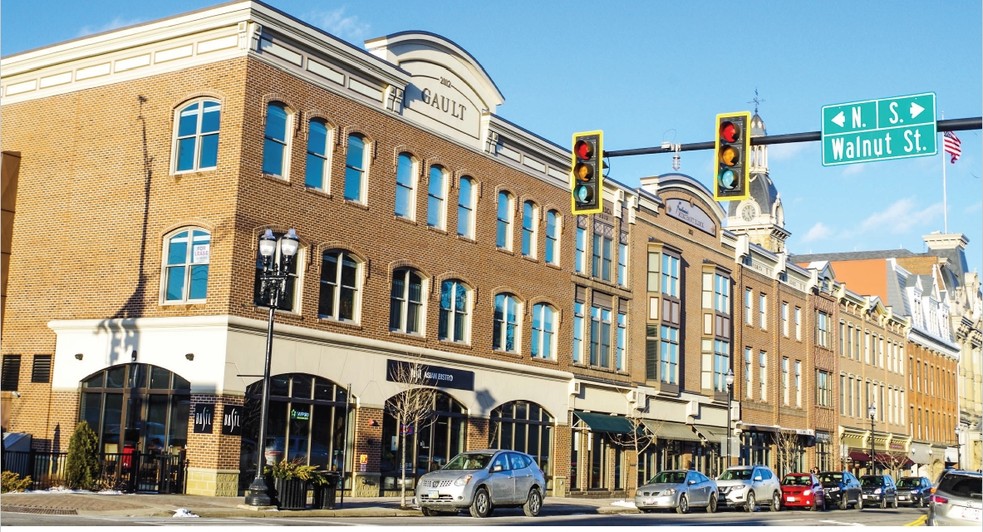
{"type": "Point", "coordinates": [646, 72]}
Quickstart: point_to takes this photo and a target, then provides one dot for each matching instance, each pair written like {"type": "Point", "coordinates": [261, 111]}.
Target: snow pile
{"type": "Point", "coordinates": [183, 512]}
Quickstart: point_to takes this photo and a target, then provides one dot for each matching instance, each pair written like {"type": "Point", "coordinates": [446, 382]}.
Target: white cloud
{"type": "Point", "coordinates": [336, 23]}
{"type": "Point", "coordinates": [900, 218]}
{"type": "Point", "coordinates": [787, 151]}
{"type": "Point", "coordinates": [853, 169]}
{"type": "Point", "coordinates": [116, 23]}
{"type": "Point", "coordinates": [817, 232]}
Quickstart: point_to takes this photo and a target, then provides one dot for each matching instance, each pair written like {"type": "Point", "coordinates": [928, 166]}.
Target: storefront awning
{"type": "Point", "coordinates": [712, 434]}
{"type": "Point", "coordinates": [859, 456]}
{"type": "Point", "coordinates": [605, 423]}
{"type": "Point", "coordinates": [747, 427]}
{"type": "Point", "coordinates": [670, 430]}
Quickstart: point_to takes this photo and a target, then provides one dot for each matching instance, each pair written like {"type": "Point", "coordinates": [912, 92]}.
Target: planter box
{"type": "Point", "coordinates": [291, 494]}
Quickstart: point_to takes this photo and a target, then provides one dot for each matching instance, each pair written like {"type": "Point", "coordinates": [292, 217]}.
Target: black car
{"type": "Point", "coordinates": [914, 491]}
{"type": "Point", "coordinates": [842, 489]}
{"type": "Point", "coordinates": [879, 489]}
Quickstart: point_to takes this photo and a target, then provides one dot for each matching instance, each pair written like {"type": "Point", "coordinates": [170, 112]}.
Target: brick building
{"type": "Point", "coordinates": [146, 163]}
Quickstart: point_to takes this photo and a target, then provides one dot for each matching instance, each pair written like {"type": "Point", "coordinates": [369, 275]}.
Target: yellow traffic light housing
{"type": "Point", "coordinates": [586, 174]}
{"type": "Point", "coordinates": [732, 150]}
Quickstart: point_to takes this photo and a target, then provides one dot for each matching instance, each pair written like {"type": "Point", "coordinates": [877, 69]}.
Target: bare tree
{"type": "Point", "coordinates": [789, 451]}
{"type": "Point", "coordinates": [412, 407]}
{"type": "Point", "coordinates": [637, 441]}
{"type": "Point", "coordinates": [892, 460]}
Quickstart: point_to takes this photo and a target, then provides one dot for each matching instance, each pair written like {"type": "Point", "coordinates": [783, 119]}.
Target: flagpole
{"type": "Point", "coordinates": [945, 211]}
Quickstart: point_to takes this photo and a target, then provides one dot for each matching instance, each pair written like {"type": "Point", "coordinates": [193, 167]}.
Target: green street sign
{"type": "Point", "coordinates": [879, 130]}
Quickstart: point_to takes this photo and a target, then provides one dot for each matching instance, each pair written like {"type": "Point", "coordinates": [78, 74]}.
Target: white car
{"type": "Point", "coordinates": [748, 486]}
{"type": "Point", "coordinates": [480, 481]}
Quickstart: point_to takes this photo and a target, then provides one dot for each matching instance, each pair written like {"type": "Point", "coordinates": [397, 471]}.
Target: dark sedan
{"type": "Point", "coordinates": [842, 489]}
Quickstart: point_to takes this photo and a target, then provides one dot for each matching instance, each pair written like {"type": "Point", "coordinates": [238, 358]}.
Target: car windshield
{"type": "Point", "coordinates": [797, 480]}
{"type": "Point", "coordinates": [831, 478]}
{"type": "Point", "coordinates": [871, 481]}
{"type": "Point", "coordinates": [468, 462]}
{"type": "Point", "coordinates": [908, 483]}
{"type": "Point", "coordinates": [736, 474]}
{"type": "Point", "coordinates": [669, 477]}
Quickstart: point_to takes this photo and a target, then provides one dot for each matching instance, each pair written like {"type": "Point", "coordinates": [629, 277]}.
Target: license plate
{"type": "Point", "coordinates": [902, 497]}
{"type": "Point", "coordinates": [791, 499]}
{"type": "Point", "coordinates": [972, 514]}
{"type": "Point", "coordinates": [433, 494]}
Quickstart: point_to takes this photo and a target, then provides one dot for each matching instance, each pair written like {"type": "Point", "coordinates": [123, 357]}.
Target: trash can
{"type": "Point", "coordinates": [326, 490]}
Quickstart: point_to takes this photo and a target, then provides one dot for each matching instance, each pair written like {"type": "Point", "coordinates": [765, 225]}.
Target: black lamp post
{"type": "Point", "coordinates": [273, 280]}
{"type": "Point", "coordinates": [730, 399]}
{"type": "Point", "coordinates": [872, 412]}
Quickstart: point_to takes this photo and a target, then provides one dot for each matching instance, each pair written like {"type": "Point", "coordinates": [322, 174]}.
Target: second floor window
{"type": "Point", "coordinates": [543, 337]}
{"type": "Point", "coordinates": [406, 302]}
{"type": "Point", "coordinates": [503, 225]}
{"type": "Point", "coordinates": [455, 308]}
{"type": "Point", "coordinates": [600, 337]}
{"type": "Point", "coordinates": [276, 154]}
{"type": "Point", "coordinates": [338, 296]}
{"type": "Point", "coordinates": [669, 355]}
{"type": "Point", "coordinates": [355, 166]}
{"type": "Point", "coordinates": [824, 388]}
{"type": "Point", "coordinates": [317, 167]}
{"type": "Point", "coordinates": [196, 136]}
{"type": "Point", "coordinates": [578, 332]}
{"type": "Point", "coordinates": [465, 208]}
{"type": "Point", "coordinates": [506, 324]}
{"type": "Point", "coordinates": [530, 220]}
{"type": "Point", "coordinates": [437, 197]}
{"type": "Point", "coordinates": [405, 186]}
{"type": "Point", "coordinates": [552, 254]}
{"type": "Point", "coordinates": [186, 271]}
{"type": "Point", "coordinates": [601, 258]}
{"type": "Point", "coordinates": [580, 251]}
{"type": "Point", "coordinates": [822, 330]}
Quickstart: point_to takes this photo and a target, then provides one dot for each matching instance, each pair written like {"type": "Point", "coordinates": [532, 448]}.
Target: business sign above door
{"type": "Point", "coordinates": [437, 376]}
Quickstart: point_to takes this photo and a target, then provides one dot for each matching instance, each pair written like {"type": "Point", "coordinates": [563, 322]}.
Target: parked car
{"type": "Point", "coordinates": [956, 499]}
{"type": "Point", "coordinates": [680, 489]}
{"type": "Point", "coordinates": [842, 489]}
{"type": "Point", "coordinates": [803, 490]}
{"type": "Point", "coordinates": [914, 491]}
{"type": "Point", "coordinates": [481, 481]}
{"type": "Point", "coordinates": [879, 489]}
{"type": "Point", "coordinates": [747, 486]}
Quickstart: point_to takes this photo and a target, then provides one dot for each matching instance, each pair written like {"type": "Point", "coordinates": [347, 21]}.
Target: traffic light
{"type": "Point", "coordinates": [732, 148]}
{"type": "Point", "coordinates": [586, 184]}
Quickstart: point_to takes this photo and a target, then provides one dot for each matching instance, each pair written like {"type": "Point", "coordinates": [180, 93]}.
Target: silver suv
{"type": "Point", "coordinates": [747, 486]}
{"type": "Point", "coordinates": [957, 500]}
{"type": "Point", "coordinates": [479, 481]}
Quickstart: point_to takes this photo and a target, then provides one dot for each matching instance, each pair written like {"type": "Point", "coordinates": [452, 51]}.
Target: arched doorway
{"type": "Point", "coordinates": [307, 421]}
{"type": "Point", "coordinates": [428, 446]}
{"type": "Point", "coordinates": [527, 427]}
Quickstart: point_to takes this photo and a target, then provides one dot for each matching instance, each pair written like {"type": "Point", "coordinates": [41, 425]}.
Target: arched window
{"type": "Point", "coordinates": [530, 221]}
{"type": "Point", "coordinates": [506, 327]}
{"type": "Point", "coordinates": [465, 208]}
{"type": "Point", "coordinates": [185, 276]}
{"type": "Point", "coordinates": [307, 421]}
{"type": "Point", "coordinates": [552, 238]}
{"type": "Point", "coordinates": [437, 197]}
{"type": "Point", "coordinates": [196, 136]}
{"type": "Point", "coordinates": [355, 168]}
{"type": "Point", "coordinates": [341, 276]}
{"type": "Point", "coordinates": [428, 446]}
{"type": "Point", "coordinates": [317, 171]}
{"type": "Point", "coordinates": [139, 406]}
{"type": "Point", "coordinates": [526, 427]}
{"type": "Point", "coordinates": [406, 186]}
{"type": "Point", "coordinates": [455, 310]}
{"type": "Point", "coordinates": [276, 146]}
{"type": "Point", "coordinates": [543, 339]}
{"type": "Point", "coordinates": [406, 302]}
{"type": "Point", "coordinates": [503, 228]}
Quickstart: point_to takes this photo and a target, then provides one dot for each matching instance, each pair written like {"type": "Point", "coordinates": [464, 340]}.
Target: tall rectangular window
{"type": "Point", "coordinates": [763, 375]}
{"type": "Point", "coordinates": [355, 169]}
{"type": "Point", "coordinates": [763, 310]}
{"type": "Point", "coordinates": [196, 136]}
{"type": "Point", "coordinates": [785, 319]}
{"type": "Point", "coordinates": [669, 369]}
{"type": "Point", "coordinates": [785, 381]}
{"type": "Point", "coordinates": [530, 221]}
{"type": "Point", "coordinates": [670, 275]}
{"type": "Point", "coordinates": [620, 342]}
{"type": "Point", "coordinates": [601, 263]}
{"type": "Point", "coordinates": [580, 251]}
{"type": "Point", "coordinates": [623, 264]}
{"type": "Point", "coordinates": [748, 306]}
{"type": "Point", "coordinates": [465, 208]}
{"type": "Point", "coordinates": [503, 223]}
{"type": "Point", "coordinates": [651, 352]}
{"type": "Point", "coordinates": [578, 332]}
{"type": "Point", "coordinates": [798, 383]}
{"type": "Point", "coordinates": [824, 392]}
{"type": "Point", "coordinates": [822, 330]}
{"type": "Point", "coordinates": [275, 140]}
{"type": "Point", "coordinates": [437, 198]}
{"type": "Point", "coordinates": [552, 251]}
{"type": "Point", "coordinates": [748, 356]}
{"type": "Point", "coordinates": [317, 166]}
{"type": "Point", "coordinates": [798, 324]}
{"type": "Point", "coordinates": [600, 337]}
{"type": "Point", "coordinates": [405, 186]}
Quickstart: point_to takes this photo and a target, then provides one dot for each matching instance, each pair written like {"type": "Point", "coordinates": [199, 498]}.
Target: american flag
{"type": "Point", "coordinates": [951, 145]}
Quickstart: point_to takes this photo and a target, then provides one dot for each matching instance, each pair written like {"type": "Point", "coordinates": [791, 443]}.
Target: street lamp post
{"type": "Point", "coordinates": [872, 411]}
{"type": "Point", "coordinates": [730, 400]}
{"type": "Point", "coordinates": [273, 281]}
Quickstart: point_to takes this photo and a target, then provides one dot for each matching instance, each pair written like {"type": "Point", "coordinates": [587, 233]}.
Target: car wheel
{"type": "Point", "coordinates": [712, 506]}
{"type": "Point", "coordinates": [815, 504]}
{"type": "Point", "coordinates": [895, 505]}
{"type": "Point", "coordinates": [860, 502]}
{"type": "Point", "coordinates": [843, 501]}
{"type": "Point", "coordinates": [749, 505]}
{"type": "Point", "coordinates": [481, 505]}
{"type": "Point", "coordinates": [920, 502]}
{"type": "Point", "coordinates": [776, 502]}
{"type": "Point", "coordinates": [884, 501]}
{"type": "Point", "coordinates": [428, 512]}
{"type": "Point", "coordinates": [683, 506]}
{"type": "Point", "coordinates": [533, 504]}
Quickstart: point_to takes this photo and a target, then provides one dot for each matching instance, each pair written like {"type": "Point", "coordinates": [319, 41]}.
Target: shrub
{"type": "Point", "coordinates": [12, 482]}
{"type": "Point", "coordinates": [82, 468]}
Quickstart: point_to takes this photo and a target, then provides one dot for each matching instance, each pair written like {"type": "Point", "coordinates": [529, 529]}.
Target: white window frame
{"type": "Point", "coordinates": [543, 339]}
{"type": "Point", "coordinates": [201, 106]}
{"type": "Point", "coordinates": [437, 182]}
{"type": "Point", "coordinates": [465, 207]}
{"type": "Point", "coordinates": [530, 229]}
{"type": "Point", "coordinates": [504, 213]}
{"type": "Point", "coordinates": [284, 144]}
{"type": "Point", "coordinates": [408, 173]}
{"type": "Point", "coordinates": [324, 158]}
{"type": "Point", "coordinates": [195, 257]}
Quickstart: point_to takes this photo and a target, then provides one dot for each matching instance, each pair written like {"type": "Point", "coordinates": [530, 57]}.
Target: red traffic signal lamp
{"type": "Point", "coordinates": [586, 175]}
{"type": "Point", "coordinates": [732, 151]}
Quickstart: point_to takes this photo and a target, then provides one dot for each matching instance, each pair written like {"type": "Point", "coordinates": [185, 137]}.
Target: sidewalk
{"type": "Point", "coordinates": [154, 505]}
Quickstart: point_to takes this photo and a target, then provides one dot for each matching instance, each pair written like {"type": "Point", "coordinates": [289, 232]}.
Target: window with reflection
{"type": "Point", "coordinates": [526, 427]}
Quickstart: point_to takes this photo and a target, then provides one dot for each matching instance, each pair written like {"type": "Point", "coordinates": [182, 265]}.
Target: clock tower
{"type": "Point", "coordinates": [760, 216]}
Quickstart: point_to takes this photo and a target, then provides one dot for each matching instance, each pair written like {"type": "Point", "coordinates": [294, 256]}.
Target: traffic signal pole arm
{"type": "Point", "coordinates": [956, 124]}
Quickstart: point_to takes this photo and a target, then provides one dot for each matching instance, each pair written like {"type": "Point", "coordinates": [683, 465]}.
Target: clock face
{"type": "Point", "coordinates": [748, 212]}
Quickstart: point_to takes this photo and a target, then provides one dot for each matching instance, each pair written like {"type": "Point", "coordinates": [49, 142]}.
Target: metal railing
{"type": "Point", "coordinates": [127, 472]}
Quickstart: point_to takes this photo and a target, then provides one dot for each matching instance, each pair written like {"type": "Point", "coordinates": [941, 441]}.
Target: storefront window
{"type": "Point", "coordinates": [526, 427]}
{"type": "Point", "coordinates": [428, 446]}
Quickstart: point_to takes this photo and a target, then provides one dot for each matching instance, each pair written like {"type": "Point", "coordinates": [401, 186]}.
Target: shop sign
{"type": "Point", "coordinates": [204, 417]}
{"type": "Point", "coordinates": [300, 415]}
{"type": "Point", "coordinates": [232, 420]}
{"type": "Point", "coordinates": [436, 376]}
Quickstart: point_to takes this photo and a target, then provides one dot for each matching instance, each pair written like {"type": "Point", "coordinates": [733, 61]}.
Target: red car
{"type": "Point", "coordinates": [803, 490]}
